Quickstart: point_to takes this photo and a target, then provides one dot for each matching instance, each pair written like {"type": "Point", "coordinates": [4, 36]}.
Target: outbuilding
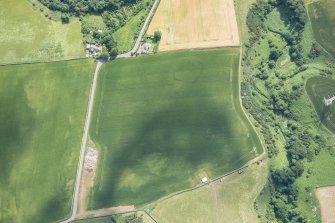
{"type": "Point", "coordinates": [204, 180]}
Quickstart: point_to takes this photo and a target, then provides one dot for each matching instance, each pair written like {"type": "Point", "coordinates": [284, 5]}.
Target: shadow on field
{"type": "Point", "coordinates": [168, 149]}
{"type": "Point", "coordinates": [52, 210]}
{"type": "Point", "coordinates": [17, 119]}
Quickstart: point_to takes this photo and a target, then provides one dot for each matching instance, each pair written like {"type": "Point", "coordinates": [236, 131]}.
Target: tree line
{"type": "Point", "coordinates": [80, 7]}
{"type": "Point", "coordinates": [267, 109]}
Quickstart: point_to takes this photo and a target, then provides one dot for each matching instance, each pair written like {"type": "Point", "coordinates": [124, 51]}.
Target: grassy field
{"type": "Point", "coordinates": [317, 88]}
{"type": "Point", "coordinates": [319, 173]}
{"type": "Point", "coordinates": [228, 201]}
{"type": "Point", "coordinates": [42, 113]}
{"type": "Point", "coordinates": [125, 36]}
{"type": "Point", "coordinates": [162, 122]}
{"type": "Point", "coordinates": [192, 24]}
{"type": "Point", "coordinates": [322, 15]}
{"type": "Point", "coordinates": [27, 35]}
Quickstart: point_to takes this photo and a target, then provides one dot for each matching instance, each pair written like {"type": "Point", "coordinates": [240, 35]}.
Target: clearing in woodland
{"type": "Point", "coordinates": [42, 114]}
{"type": "Point", "coordinates": [163, 122]}
{"type": "Point", "coordinates": [326, 197]}
{"type": "Point", "coordinates": [192, 24]}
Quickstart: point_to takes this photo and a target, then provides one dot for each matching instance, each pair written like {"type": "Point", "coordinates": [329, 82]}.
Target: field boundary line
{"type": "Point", "coordinates": [327, 185]}
{"type": "Point", "coordinates": [241, 104]}
{"type": "Point", "coordinates": [246, 165]}
{"type": "Point", "coordinates": [151, 216]}
{"type": "Point", "coordinates": [41, 62]}
{"type": "Point", "coordinates": [197, 49]}
{"type": "Point", "coordinates": [311, 2]}
{"type": "Point", "coordinates": [126, 212]}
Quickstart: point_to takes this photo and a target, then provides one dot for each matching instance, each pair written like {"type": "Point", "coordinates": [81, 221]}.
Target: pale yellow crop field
{"type": "Point", "coordinates": [190, 24]}
{"type": "Point", "coordinates": [326, 197]}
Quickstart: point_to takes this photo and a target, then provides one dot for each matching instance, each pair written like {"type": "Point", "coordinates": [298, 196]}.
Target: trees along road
{"type": "Point", "coordinates": [140, 36]}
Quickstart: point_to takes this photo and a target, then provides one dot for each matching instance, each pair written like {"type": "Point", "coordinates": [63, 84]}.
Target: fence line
{"type": "Point", "coordinates": [126, 212]}
{"type": "Point", "coordinates": [41, 61]}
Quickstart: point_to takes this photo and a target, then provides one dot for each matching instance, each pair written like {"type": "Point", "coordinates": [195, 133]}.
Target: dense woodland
{"type": "Point", "coordinates": [115, 14]}
{"type": "Point", "coordinates": [269, 110]}
{"type": "Point", "coordinates": [85, 6]}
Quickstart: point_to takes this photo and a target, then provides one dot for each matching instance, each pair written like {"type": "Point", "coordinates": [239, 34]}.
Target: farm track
{"type": "Point", "coordinates": [83, 145]}
{"type": "Point", "coordinates": [89, 113]}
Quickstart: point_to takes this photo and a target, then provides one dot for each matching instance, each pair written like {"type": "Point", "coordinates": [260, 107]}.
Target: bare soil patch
{"type": "Point", "coordinates": [107, 211]}
{"type": "Point", "coordinates": [190, 24]}
{"type": "Point", "coordinates": [90, 163]}
{"type": "Point", "coordinates": [326, 197]}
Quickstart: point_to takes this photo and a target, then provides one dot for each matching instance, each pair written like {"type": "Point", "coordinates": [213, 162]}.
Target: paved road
{"type": "Point", "coordinates": [140, 36]}
{"type": "Point", "coordinates": [83, 145]}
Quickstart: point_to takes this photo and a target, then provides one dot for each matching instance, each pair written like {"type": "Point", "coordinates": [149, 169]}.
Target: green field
{"type": "Point", "coordinates": [42, 114]}
{"type": "Point", "coordinates": [317, 88]}
{"type": "Point", "coordinates": [322, 14]}
{"type": "Point", "coordinates": [228, 201]}
{"type": "Point", "coordinates": [319, 173]}
{"type": "Point", "coordinates": [126, 35]}
{"type": "Point", "coordinates": [162, 122]}
{"type": "Point", "coordinates": [27, 35]}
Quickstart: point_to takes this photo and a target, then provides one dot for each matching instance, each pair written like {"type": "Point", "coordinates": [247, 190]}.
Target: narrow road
{"type": "Point", "coordinates": [83, 145]}
{"type": "Point", "coordinates": [140, 36]}
{"type": "Point", "coordinates": [89, 114]}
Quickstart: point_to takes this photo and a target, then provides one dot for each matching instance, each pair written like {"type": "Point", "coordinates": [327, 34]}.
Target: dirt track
{"type": "Point", "coordinates": [83, 145]}
{"type": "Point", "coordinates": [190, 24]}
{"type": "Point", "coordinates": [106, 212]}
{"type": "Point", "coordinates": [326, 197]}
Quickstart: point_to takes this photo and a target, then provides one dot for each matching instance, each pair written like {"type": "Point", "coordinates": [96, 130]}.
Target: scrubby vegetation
{"type": "Point", "coordinates": [115, 15]}
{"type": "Point", "coordinates": [127, 218]}
{"type": "Point", "coordinates": [279, 56]}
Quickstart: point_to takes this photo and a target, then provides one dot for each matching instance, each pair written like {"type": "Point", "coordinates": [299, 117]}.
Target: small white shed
{"type": "Point", "coordinates": [204, 180]}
